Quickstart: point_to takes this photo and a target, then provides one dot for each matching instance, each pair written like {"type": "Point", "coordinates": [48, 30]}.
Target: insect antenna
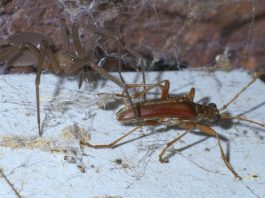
{"type": "Point", "coordinates": [256, 76]}
{"type": "Point", "coordinates": [228, 116]}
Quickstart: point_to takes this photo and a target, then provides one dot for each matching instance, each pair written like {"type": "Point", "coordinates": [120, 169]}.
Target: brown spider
{"type": "Point", "coordinates": [38, 49]}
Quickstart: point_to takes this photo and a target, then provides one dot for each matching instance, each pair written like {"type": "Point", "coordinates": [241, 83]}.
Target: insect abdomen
{"type": "Point", "coordinates": [181, 111]}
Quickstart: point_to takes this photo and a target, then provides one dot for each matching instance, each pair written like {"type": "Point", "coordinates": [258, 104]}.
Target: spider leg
{"type": "Point", "coordinates": [13, 50]}
{"type": "Point", "coordinates": [81, 79]}
{"type": "Point", "coordinates": [40, 55]}
{"type": "Point", "coordinates": [37, 83]}
{"type": "Point", "coordinates": [77, 43]}
{"type": "Point", "coordinates": [9, 52]}
{"type": "Point", "coordinates": [80, 63]}
{"type": "Point", "coordinates": [79, 51]}
{"type": "Point", "coordinates": [45, 50]}
{"type": "Point", "coordinates": [64, 34]}
{"type": "Point", "coordinates": [54, 65]}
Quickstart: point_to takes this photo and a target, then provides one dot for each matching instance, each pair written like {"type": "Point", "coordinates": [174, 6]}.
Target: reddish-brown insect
{"type": "Point", "coordinates": [180, 111]}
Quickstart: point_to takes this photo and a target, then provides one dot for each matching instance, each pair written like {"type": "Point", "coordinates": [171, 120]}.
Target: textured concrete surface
{"type": "Point", "coordinates": [56, 165]}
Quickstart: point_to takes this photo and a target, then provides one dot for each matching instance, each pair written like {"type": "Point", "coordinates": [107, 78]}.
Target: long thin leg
{"type": "Point", "coordinates": [10, 49]}
{"type": "Point", "coordinates": [101, 71]}
{"type": "Point", "coordinates": [37, 83]}
{"type": "Point", "coordinates": [164, 88]}
{"type": "Point", "coordinates": [120, 82]}
{"type": "Point", "coordinates": [212, 132]}
{"type": "Point", "coordinates": [169, 144]}
{"type": "Point", "coordinates": [85, 61]}
{"type": "Point", "coordinates": [2, 174]}
{"type": "Point", "coordinates": [112, 144]}
{"type": "Point", "coordinates": [44, 48]}
{"type": "Point", "coordinates": [106, 75]}
{"type": "Point", "coordinates": [80, 63]}
{"type": "Point", "coordinates": [118, 38]}
{"type": "Point", "coordinates": [80, 52]}
{"type": "Point", "coordinates": [90, 62]}
{"type": "Point", "coordinates": [77, 43]}
{"type": "Point", "coordinates": [148, 87]}
{"type": "Point", "coordinates": [8, 52]}
{"type": "Point", "coordinates": [64, 34]}
{"type": "Point", "coordinates": [13, 50]}
{"type": "Point", "coordinates": [81, 79]}
{"type": "Point", "coordinates": [50, 55]}
{"type": "Point", "coordinates": [208, 131]}
{"type": "Point", "coordinates": [40, 56]}
{"type": "Point", "coordinates": [138, 56]}
{"type": "Point", "coordinates": [191, 94]}
{"type": "Point", "coordinates": [135, 111]}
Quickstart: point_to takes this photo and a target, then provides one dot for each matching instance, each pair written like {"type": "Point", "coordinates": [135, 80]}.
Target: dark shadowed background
{"type": "Point", "coordinates": [221, 34]}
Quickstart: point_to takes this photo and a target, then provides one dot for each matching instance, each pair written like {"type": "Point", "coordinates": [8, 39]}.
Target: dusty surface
{"type": "Point", "coordinates": [56, 165]}
{"type": "Point", "coordinates": [165, 33]}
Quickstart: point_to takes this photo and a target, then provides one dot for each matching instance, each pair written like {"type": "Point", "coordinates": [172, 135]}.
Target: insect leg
{"type": "Point", "coordinates": [147, 87]}
{"type": "Point", "coordinates": [164, 88]}
{"type": "Point", "coordinates": [191, 94]}
{"type": "Point", "coordinates": [169, 144]}
{"type": "Point", "coordinates": [112, 144]}
{"type": "Point", "coordinates": [212, 132]}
